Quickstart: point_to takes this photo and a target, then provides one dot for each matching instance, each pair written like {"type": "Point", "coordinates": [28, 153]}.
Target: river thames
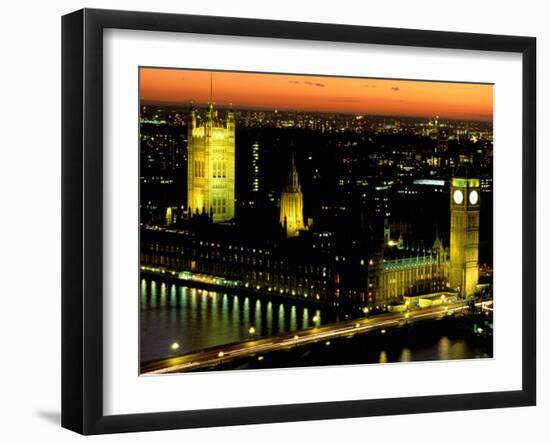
{"type": "Point", "coordinates": [197, 319]}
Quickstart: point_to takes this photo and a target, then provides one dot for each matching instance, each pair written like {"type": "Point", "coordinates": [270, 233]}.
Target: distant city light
{"type": "Point", "coordinates": [429, 182]}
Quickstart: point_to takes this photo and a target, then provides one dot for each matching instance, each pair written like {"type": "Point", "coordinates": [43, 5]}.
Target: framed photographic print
{"type": "Point", "coordinates": [270, 221]}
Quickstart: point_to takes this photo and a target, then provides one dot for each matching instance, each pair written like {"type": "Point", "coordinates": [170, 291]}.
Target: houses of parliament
{"type": "Point", "coordinates": [299, 260]}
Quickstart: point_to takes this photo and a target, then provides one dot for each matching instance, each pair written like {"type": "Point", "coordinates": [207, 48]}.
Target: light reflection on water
{"type": "Point", "coordinates": [444, 347]}
{"type": "Point", "coordinates": [405, 355]}
{"type": "Point", "coordinates": [198, 319]}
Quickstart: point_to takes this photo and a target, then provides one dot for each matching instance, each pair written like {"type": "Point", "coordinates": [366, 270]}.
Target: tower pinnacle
{"type": "Point", "coordinates": [210, 88]}
{"type": "Point", "coordinates": [292, 203]}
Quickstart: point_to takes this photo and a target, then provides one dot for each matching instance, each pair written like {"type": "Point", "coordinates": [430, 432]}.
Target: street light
{"type": "Point", "coordinates": [175, 346]}
{"type": "Point", "coordinates": [251, 330]}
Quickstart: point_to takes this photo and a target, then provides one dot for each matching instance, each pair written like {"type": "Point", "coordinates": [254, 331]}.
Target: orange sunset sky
{"type": "Point", "coordinates": [319, 93]}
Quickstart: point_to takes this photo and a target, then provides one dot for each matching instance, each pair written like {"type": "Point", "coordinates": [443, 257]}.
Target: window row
{"type": "Point", "coordinates": [219, 170]}
{"type": "Point", "coordinates": [218, 205]}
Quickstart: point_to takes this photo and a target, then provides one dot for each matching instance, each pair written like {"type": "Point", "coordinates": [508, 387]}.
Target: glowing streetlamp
{"type": "Point", "coordinates": [175, 346]}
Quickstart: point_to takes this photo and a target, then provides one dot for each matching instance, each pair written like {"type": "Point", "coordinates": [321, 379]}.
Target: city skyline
{"type": "Point", "coordinates": [407, 98]}
{"type": "Point", "coordinates": [274, 238]}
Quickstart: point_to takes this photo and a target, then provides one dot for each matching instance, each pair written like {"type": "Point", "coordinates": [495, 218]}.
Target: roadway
{"type": "Point", "coordinates": [256, 347]}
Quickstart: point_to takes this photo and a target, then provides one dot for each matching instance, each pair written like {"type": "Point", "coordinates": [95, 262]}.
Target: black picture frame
{"type": "Point", "coordinates": [82, 218]}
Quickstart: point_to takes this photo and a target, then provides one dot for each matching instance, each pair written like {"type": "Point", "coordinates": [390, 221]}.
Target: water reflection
{"type": "Point", "coordinates": [293, 326]}
{"type": "Point", "coordinates": [405, 355]}
{"type": "Point", "coordinates": [197, 319]}
{"type": "Point", "coordinates": [444, 347]}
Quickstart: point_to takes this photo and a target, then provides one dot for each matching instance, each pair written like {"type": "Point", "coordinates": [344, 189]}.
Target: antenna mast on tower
{"type": "Point", "coordinates": [210, 87]}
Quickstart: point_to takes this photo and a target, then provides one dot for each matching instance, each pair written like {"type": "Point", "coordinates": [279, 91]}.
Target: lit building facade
{"type": "Point", "coordinates": [292, 204]}
{"type": "Point", "coordinates": [211, 165]}
{"type": "Point", "coordinates": [261, 265]}
{"type": "Point", "coordinates": [417, 272]}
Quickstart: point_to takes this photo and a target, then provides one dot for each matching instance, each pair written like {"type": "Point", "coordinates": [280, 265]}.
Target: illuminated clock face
{"type": "Point", "coordinates": [458, 197]}
{"type": "Point", "coordinates": [474, 197]}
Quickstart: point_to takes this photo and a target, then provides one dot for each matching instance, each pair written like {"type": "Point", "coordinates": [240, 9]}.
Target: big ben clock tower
{"type": "Point", "coordinates": [464, 231]}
